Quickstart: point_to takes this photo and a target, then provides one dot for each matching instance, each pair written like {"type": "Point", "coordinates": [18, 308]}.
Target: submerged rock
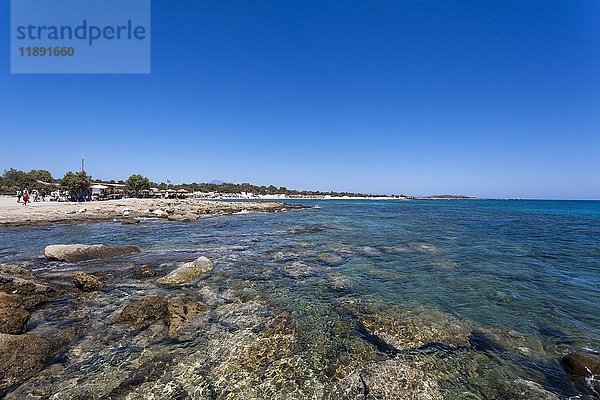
{"type": "Point", "coordinates": [145, 271]}
{"type": "Point", "coordinates": [329, 258]}
{"type": "Point", "coordinates": [13, 320]}
{"type": "Point", "coordinates": [143, 313]}
{"type": "Point", "coordinates": [188, 271]}
{"type": "Point", "coordinates": [22, 356]}
{"type": "Point", "coordinates": [86, 282]}
{"type": "Point", "coordinates": [406, 328]}
{"type": "Point", "coordinates": [582, 363]}
{"type": "Point", "coordinates": [180, 310]}
{"type": "Point", "coordinates": [391, 379]}
{"type": "Point", "coordinates": [82, 252]}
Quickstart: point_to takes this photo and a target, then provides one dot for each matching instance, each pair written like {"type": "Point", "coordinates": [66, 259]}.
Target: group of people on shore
{"type": "Point", "coordinates": [35, 194]}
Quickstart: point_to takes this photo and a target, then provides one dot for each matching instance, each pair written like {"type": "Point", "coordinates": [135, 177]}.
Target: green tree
{"type": "Point", "coordinates": [76, 183]}
{"type": "Point", "coordinates": [136, 183]}
{"type": "Point", "coordinates": [15, 179]}
{"type": "Point", "coordinates": [40, 175]}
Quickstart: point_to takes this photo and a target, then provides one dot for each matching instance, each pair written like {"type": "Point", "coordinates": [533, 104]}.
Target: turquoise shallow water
{"type": "Point", "coordinates": [529, 266]}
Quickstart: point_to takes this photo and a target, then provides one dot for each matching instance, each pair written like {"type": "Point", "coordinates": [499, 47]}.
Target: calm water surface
{"type": "Point", "coordinates": [528, 266]}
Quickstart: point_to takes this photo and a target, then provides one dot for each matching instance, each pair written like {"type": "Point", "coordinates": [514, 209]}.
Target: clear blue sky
{"type": "Point", "coordinates": [487, 98]}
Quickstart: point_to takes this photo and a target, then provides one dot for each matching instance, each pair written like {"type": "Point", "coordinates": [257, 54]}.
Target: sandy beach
{"type": "Point", "coordinates": [125, 210]}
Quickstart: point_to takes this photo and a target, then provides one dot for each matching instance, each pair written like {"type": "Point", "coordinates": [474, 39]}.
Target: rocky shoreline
{"type": "Point", "coordinates": [129, 211]}
{"type": "Point", "coordinates": [172, 330]}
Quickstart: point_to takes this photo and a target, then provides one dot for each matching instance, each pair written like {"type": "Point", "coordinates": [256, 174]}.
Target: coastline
{"type": "Point", "coordinates": [126, 210]}
{"type": "Point", "coordinates": [250, 298]}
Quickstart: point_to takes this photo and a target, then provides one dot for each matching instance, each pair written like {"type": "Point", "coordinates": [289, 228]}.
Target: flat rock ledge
{"type": "Point", "coordinates": [82, 252]}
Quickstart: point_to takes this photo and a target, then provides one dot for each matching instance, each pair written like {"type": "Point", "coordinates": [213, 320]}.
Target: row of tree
{"type": "Point", "coordinates": [80, 182]}
{"type": "Point", "coordinates": [74, 182]}
{"type": "Point", "coordinates": [13, 180]}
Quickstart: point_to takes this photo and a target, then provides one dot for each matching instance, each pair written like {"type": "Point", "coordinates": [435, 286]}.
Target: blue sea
{"type": "Point", "coordinates": [455, 298]}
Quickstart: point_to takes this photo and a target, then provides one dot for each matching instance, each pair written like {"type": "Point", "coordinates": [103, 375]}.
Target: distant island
{"type": "Point", "coordinates": [445, 197]}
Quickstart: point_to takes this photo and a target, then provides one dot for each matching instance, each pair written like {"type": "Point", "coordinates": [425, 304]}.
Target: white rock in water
{"type": "Point", "coordinates": [188, 271]}
{"type": "Point", "coordinates": [81, 252]}
{"type": "Point", "coordinates": [160, 213]}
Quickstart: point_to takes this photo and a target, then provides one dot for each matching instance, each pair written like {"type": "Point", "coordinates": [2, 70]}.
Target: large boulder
{"type": "Point", "coordinates": [13, 320]}
{"type": "Point", "coordinates": [188, 271]}
{"type": "Point", "coordinates": [582, 363]}
{"type": "Point", "coordinates": [143, 313]}
{"type": "Point", "coordinates": [82, 252]}
{"type": "Point", "coordinates": [86, 282]}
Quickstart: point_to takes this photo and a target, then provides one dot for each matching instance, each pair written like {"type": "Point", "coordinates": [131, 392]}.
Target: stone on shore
{"type": "Point", "coordinates": [13, 320]}
{"type": "Point", "coordinates": [143, 313]}
{"type": "Point", "coordinates": [188, 271]}
{"type": "Point", "coordinates": [86, 282]}
{"type": "Point", "coordinates": [582, 363]}
{"type": "Point", "coordinates": [82, 252]}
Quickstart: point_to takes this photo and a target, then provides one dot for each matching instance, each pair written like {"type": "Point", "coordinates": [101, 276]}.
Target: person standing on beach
{"type": "Point", "coordinates": [19, 194]}
{"type": "Point", "coordinates": [25, 197]}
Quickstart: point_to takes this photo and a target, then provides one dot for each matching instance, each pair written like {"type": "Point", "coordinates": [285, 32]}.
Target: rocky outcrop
{"type": "Point", "coordinates": [13, 320]}
{"type": "Point", "coordinates": [82, 252]}
{"type": "Point", "coordinates": [20, 289]}
{"type": "Point", "coordinates": [22, 356]}
{"type": "Point", "coordinates": [143, 313]}
{"type": "Point", "coordinates": [132, 210]}
{"type": "Point", "coordinates": [582, 363]}
{"type": "Point", "coordinates": [188, 272]}
{"type": "Point", "coordinates": [179, 311]}
{"type": "Point", "coordinates": [86, 282]}
{"type": "Point", "coordinates": [145, 271]}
